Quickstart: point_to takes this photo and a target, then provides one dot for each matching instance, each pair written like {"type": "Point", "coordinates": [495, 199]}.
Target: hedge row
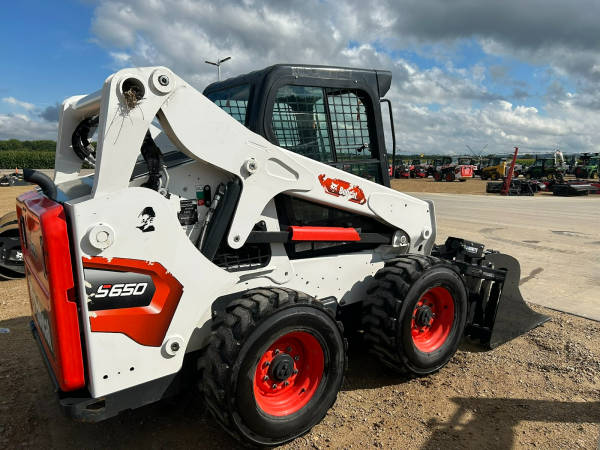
{"type": "Point", "coordinates": [40, 145]}
{"type": "Point", "coordinates": [32, 159]}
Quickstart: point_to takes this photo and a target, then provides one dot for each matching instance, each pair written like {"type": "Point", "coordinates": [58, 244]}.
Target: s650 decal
{"type": "Point", "coordinates": [107, 289]}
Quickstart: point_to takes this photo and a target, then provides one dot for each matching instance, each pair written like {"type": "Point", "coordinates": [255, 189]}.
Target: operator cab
{"type": "Point", "coordinates": [329, 114]}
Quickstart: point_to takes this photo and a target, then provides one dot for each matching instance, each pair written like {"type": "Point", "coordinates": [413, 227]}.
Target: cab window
{"type": "Point", "coordinates": [234, 101]}
{"type": "Point", "coordinates": [300, 123]}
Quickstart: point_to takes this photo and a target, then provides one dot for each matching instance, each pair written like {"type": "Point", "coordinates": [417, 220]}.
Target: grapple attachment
{"type": "Point", "coordinates": [497, 312]}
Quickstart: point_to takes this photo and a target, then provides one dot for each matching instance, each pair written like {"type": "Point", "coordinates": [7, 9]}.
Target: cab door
{"type": "Point", "coordinates": [335, 126]}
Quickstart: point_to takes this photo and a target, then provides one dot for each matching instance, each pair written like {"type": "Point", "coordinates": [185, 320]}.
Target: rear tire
{"type": "Point", "coordinates": [399, 305]}
{"type": "Point", "coordinates": [9, 228]}
{"type": "Point", "coordinates": [495, 176]}
{"type": "Point", "coordinates": [437, 176]}
{"type": "Point", "coordinates": [242, 361]}
{"type": "Point", "coordinates": [450, 176]}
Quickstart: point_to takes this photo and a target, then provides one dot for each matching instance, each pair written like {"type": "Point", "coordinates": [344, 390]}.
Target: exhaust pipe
{"type": "Point", "coordinates": [42, 180]}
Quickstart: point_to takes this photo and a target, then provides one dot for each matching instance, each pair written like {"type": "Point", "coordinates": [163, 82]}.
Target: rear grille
{"type": "Point", "coordinates": [249, 256]}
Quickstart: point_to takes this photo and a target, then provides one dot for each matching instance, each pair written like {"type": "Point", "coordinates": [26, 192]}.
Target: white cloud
{"type": "Point", "coordinates": [19, 126]}
{"type": "Point", "coordinates": [259, 33]}
{"type": "Point", "coordinates": [13, 101]}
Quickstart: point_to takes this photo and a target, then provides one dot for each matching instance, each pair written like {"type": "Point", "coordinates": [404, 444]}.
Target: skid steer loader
{"type": "Point", "coordinates": [227, 251]}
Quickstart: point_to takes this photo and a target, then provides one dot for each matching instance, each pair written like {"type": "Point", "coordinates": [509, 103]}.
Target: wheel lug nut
{"type": "Point", "coordinates": [267, 363]}
{"type": "Point", "coordinates": [265, 378]}
{"type": "Point", "coordinates": [289, 349]}
{"type": "Point", "coordinates": [296, 358]}
{"type": "Point", "coordinates": [274, 386]}
{"type": "Point", "coordinates": [295, 371]}
{"type": "Point", "coordinates": [276, 351]}
{"type": "Point", "coordinates": [421, 330]}
{"type": "Point", "coordinates": [433, 315]}
{"type": "Point", "coordinates": [414, 317]}
{"type": "Point", "coordinates": [286, 383]}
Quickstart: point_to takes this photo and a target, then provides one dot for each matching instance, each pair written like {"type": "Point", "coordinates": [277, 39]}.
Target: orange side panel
{"type": "Point", "coordinates": [146, 325]}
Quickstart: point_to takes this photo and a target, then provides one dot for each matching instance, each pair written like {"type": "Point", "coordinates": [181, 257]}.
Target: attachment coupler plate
{"type": "Point", "coordinates": [505, 313]}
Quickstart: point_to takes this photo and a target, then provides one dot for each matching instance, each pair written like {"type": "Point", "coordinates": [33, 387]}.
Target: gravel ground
{"type": "Point", "coordinates": [538, 391]}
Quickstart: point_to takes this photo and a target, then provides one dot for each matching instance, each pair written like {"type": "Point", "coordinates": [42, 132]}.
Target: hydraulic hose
{"type": "Point", "coordinates": [42, 180]}
{"type": "Point", "coordinates": [80, 142]}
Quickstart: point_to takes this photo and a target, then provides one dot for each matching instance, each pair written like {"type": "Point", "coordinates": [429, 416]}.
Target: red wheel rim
{"type": "Point", "coordinates": [288, 374]}
{"type": "Point", "coordinates": [432, 319]}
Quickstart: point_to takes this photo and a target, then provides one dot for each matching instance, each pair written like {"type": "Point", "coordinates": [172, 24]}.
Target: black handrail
{"type": "Point", "coordinates": [393, 134]}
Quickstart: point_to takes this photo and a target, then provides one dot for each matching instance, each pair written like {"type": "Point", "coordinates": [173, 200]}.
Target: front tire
{"type": "Point", "coordinates": [272, 366]}
{"type": "Point", "coordinates": [415, 314]}
{"type": "Point", "coordinates": [437, 176]}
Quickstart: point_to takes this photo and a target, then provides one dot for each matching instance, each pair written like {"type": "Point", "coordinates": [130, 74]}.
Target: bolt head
{"type": "Point", "coordinates": [296, 358]}
{"type": "Point", "coordinates": [267, 363]}
{"type": "Point", "coordinates": [286, 383]}
{"type": "Point", "coordinates": [433, 315]}
{"type": "Point", "coordinates": [276, 351]}
{"type": "Point", "coordinates": [273, 386]}
{"type": "Point", "coordinates": [295, 371]}
{"type": "Point", "coordinates": [175, 346]}
{"type": "Point", "coordinates": [289, 349]}
{"type": "Point", "coordinates": [236, 238]}
{"type": "Point", "coordinates": [265, 378]}
{"type": "Point", "coordinates": [163, 80]}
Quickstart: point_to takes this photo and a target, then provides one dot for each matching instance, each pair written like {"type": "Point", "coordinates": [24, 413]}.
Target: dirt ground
{"type": "Point", "coordinates": [541, 390]}
{"type": "Point", "coordinates": [473, 186]}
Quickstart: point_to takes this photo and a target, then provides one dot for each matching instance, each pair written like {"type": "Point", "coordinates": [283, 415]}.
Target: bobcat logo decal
{"type": "Point", "coordinates": [341, 188]}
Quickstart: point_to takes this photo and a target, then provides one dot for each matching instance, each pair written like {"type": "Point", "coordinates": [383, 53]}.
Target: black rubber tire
{"type": "Point", "coordinates": [397, 288]}
{"type": "Point", "coordinates": [450, 176]}
{"type": "Point", "coordinates": [484, 176]}
{"type": "Point", "coordinates": [437, 176]}
{"type": "Point", "coordinates": [230, 355]}
{"type": "Point", "coordinates": [9, 227]}
{"type": "Point", "coordinates": [494, 176]}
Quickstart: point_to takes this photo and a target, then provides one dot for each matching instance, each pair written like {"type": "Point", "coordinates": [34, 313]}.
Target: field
{"type": "Point", "coordinates": [538, 391]}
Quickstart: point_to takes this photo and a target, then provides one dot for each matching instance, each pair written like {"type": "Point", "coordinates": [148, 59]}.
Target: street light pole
{"type": "Point", "coordinates": [218, 64]}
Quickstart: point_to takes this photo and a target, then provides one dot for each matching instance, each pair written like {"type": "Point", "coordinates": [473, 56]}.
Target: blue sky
{"type": "Point", "coordinates": [47, 54]}
{"type": "Point", "coordinates": [464, 72]}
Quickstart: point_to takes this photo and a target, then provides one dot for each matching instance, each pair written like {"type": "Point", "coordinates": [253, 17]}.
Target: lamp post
{"type": "Point", "coordinates": [218, 64]}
